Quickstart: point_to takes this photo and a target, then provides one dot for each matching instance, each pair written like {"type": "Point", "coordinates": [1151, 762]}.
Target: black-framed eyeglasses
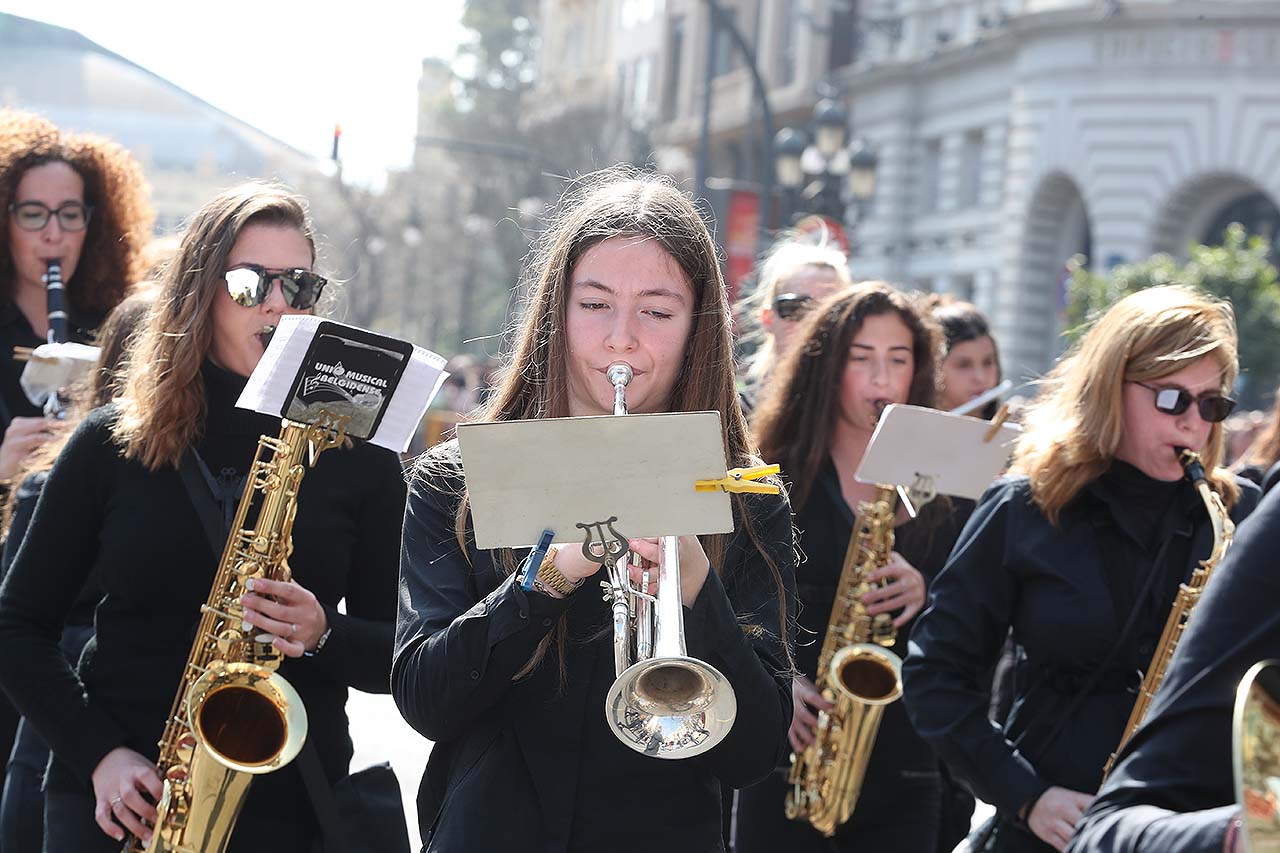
{"type": "Point", "coordinates": [34, 215]}
{"type": "Point", "coordinates": [250, 285]}
{"type": "Point", "coordinates": [792, 306]}
{"type": "Point", "coordinates": [1174, 401]}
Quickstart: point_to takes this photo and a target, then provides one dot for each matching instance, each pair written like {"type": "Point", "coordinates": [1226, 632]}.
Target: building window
{"type": "Point", "coordinates": [969, 187]}
{"type": "Point", "coordinates": [640, 85]}
{"type": "Point", "coordinates": [675, 53]}
{"type": "Point", "coordinates": [725, 57]}
{"type": "Point", "coordinates": [930, 175]}
{"type": "Point", "coordinates": [843, 47]}
{"type": "Point", "coordinates": [1256, 212]}
{"type": "Point", "coordinates": [788, 48]}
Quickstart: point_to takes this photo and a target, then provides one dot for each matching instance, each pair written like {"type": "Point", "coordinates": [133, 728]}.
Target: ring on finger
{"type": "Point", "coordinates": [293, 629]}
{"type": "Point", "coordinates": [116, 801]}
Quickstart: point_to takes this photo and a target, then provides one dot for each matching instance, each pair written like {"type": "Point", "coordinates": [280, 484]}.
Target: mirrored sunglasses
{"type": "Point", "coordinates": [791, 306]}
{"type": "Point", "coordinates": [250, 285]}
{"type": "Point", "coordinates": [1213, 408]}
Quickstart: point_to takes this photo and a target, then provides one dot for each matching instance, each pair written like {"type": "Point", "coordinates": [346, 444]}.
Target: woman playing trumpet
{"type": "Point", "coordinates": [511, 685]}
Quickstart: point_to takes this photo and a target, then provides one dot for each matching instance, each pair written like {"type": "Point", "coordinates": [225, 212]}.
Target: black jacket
{"type": "Point", "coordinates": [137, 532]}
{"type": "Point", "coordinates": [1171, 788]}
{"type": "Point", "coordinates": [531, 764]}
{"type": "Point", "coordinates": [1066, 591]}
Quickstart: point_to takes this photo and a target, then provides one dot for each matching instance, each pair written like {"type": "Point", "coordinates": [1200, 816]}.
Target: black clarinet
{"type": "Point", "coordinates": [56, 299]}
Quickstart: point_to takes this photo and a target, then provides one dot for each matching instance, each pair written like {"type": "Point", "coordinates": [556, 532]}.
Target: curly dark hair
{"type": "Point", "coordinates": [112, 257]}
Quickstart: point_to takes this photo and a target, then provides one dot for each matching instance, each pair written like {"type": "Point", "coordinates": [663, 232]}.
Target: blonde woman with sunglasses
{"type": "Point", "coordinates": [1079, 552]}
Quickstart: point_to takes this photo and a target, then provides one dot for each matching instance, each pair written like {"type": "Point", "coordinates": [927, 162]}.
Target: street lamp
{"type": "Point", "coordinates": [823, 172]}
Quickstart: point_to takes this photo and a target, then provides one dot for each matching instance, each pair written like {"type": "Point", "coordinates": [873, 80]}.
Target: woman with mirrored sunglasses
{"type": "Point", "coordinates": [122, 502]}
{"type": "Point", "coordinates": [77, 200]}
{"type": "Point", "coordinates": [793, 278]}
{"type": "Point", "coordinates": [1078, 552]}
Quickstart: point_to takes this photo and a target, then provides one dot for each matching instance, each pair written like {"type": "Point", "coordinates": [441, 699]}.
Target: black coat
{"type": "Point", "coordinates": [1171, 788]}
{"type": "Point", "coordinates": [1066, 591]}
{"type": "Point", "coordinates": [138, 534]}
{"type": "Point", "coordinates": [531, 764]}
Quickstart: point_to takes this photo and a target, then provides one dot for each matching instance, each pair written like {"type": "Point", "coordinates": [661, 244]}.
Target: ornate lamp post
{"type": "Point", "coordinates": [821, 171]}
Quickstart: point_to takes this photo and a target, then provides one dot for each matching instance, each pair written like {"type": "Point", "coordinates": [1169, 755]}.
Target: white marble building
{"type": "Point", "coordinates": [1013, 134]}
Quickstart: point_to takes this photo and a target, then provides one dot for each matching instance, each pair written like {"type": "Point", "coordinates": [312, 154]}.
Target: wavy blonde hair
{"type": "Point", "coordinates": [1073, 430]}
{"type": "Point", "coordinates": [785, 260]}
{"type": "Point", "coordinates": [162, 406]}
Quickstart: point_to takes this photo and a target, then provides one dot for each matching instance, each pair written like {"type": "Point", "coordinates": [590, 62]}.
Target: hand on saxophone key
{"type": "Point", "coordinates": [902, 587]}
{"type": "Point", "coordinates": [120, 781]}
{"type": "Point", "coordinates": [806, 702]}
{"type": "Point", "coordinates": [288, 612]}
{"type": "Point", "coordinates": [694, 566]}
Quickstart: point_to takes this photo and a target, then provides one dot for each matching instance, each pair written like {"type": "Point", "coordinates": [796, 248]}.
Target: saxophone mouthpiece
{"type": "Point", "coordinates": [619, 373]}
{"type": "Point", "coordinates": [1190, 461]}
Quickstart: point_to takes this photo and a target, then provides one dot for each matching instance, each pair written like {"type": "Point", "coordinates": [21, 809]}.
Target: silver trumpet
{"type": "Point", "coordinates": [665, 704]}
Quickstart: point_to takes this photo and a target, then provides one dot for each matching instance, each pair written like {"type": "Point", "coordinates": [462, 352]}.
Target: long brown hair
{"type": "Point", "coordinates": [162, 408]}
{"type": "Point", "coordinates": [1073, 430]}
{"type": "Point", "coordinates": [1264, 450]}
{"type": "Point", "coordinates": [797, 415]}
{"type": "Point", "coordinates": [111, 259]}
{"type": "Point", "coordinates": [617, 202]}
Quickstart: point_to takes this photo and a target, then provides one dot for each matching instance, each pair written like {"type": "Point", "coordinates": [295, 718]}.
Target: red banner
{"type": "Point", "coordinates": [741, 231]}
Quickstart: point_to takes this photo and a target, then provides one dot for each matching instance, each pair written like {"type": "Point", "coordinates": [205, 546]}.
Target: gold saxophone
{"type": "Point", "coordinates": [234, 717]}
{"type": "Point", "coordinates": [857, 672]}
{"type": "Point", "coordinates": [1188, 596]}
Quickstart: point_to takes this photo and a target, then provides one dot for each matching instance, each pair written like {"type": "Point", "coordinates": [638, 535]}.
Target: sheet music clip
{"type": "Point", "coordinates": [737, 480]}
{"type": "Point", "coordinates": [935, 453]}
{"type": "Point", "coordinates": [536, 556]}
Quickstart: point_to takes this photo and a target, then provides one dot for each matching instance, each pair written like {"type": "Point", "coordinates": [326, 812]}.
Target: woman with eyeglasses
{"type": "Point", "coordinates": [120, 504]}
{"type": "Point", "coordinates": [76, 200]}
{"type": "Point", "coordinates": [795, 277]}
{"type": "Point", "coordinates": [1079, 551]}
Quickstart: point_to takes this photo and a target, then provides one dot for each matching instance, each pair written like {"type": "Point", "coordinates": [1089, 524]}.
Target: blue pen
{"type": "Point", "coordinates": [534, 562]}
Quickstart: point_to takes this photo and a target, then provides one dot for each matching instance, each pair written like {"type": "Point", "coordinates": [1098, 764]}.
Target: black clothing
{"type": "Point", "coordinates": [138, 531]}
{"type": "Point", "coordinates": [539, 749]}
{"type": "Point", "coordinates": [902, 765]}
{"type": "Point", "coordinates": [1171, 787]}
{"type": "Point", "coordinates": [1066, 590]}
{"type": "Point", "coordinates": [16, 331]}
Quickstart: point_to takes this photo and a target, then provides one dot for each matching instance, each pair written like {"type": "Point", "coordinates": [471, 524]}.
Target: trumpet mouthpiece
{"type": "Point", "coordinates": [619, 374]}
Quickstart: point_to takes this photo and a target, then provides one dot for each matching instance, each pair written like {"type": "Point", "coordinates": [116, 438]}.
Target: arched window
{"type": "Point", "coordinates": [1255, 211]}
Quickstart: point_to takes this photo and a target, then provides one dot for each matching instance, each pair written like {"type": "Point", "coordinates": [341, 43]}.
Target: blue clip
{"type": "Point", "coordinates": [535, 560]}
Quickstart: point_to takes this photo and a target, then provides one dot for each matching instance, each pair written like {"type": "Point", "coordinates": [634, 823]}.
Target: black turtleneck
{"type": "Point", "coordinates": [139, 532]}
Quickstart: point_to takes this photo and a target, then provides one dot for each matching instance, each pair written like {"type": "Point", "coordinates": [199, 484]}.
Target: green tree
{"type": "Point", "coordinates": [1239, 271]}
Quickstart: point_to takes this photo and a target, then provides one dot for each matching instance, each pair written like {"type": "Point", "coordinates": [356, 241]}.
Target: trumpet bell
{"type": "Point", "coordinates": [671, 707]}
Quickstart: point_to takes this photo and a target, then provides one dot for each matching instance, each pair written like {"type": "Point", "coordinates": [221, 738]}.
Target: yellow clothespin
{"type": "Point", "coordinates": [739, 480]}
{"type": "Point", "coordinates": [998, 421]}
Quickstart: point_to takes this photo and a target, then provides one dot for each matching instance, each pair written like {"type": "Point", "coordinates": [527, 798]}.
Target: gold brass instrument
{"type": "Point", "coordinates": [857, 672]}
{"type": "Point", "coordinates": [665, 704]}
{"type": "Point", "coordinates": [1188, 596]}
{"type": "Point", "coordinates": [234, 717]}
{"type": "Point", "coordinates": [1255, 740]}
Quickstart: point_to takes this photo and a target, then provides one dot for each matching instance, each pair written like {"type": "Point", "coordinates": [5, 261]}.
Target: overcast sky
{"type": "Point", "coordinates": [292, 69]}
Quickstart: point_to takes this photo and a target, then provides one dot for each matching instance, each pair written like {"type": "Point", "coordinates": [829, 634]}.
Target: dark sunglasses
{"type": "Point", "coordinates": [34, 215]}
{"type": "Point", "coordinates": [791, 306]}
{"type": "Point", "coordinates": [1174, 401]}
{"type": "Point", "coordinates": [250, 285]}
